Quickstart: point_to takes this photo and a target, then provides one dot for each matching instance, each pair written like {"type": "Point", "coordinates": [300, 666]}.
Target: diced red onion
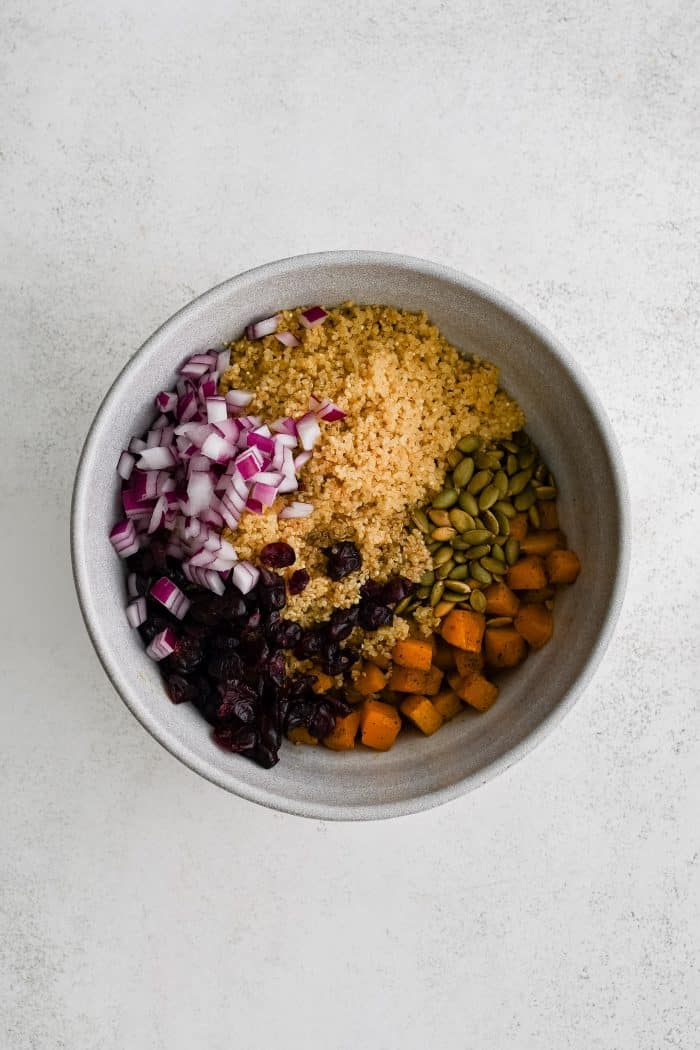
{"type": "Point", "coordinates": [249, 463]}
{"type": "Point", "coordinates": [208, 359]}
{"type": "Point", "coordinates": [223, 361]}
{"type": "Point", "coordinates": [137, 445]}
{"type": "Point", "coordinates": [124, 539]}
{"type": "Point", "coordinates": [287, 339]}
{"type": "Point", "coordinates": [193, 369]}
{"type": "Point", "coordinates": [186, 407]}
{"type": "Point", "coordinates": [284, 426]}
{"type": "Point", "coordinates": [218, 449]}
{"type": "Point", "coordinates": [314, 316]}
{"type": "Point", "coordinates": [329, 412]}
{"type": "Point", "coordinates": [262, 493]}
{"type": "Point", "coordinates": [238, 398]}
{"type": "Point", "coordinates": [134, 507]}
{"type": "Point", "coordinates": [204, 577]}
{"type": "Point", "coordinates": [162, 645]}
{"type": "Point", "coordinates": [207, 387]}
{"type": "Point", "coordinates": [126, 464]}
{"type": "Point", "coordinates": [169, 595]}
{"type": "Point", "coordinates": [261, 328]}
{"type": "Point", "coordinates": [200, 489]}
{"type": "Point", "coordinates": [158, 515]}
{"type": "Point", "coordinates": [244, 576]}
{"type": "Point", "coordinates": [156, 458]}
{"type": "Point", "coordinates": [166, 401]}
{"type": "Point", "coordinates": [296, 510]}
{"type": "Point", "coordinates": [268, 477]}
{"type": "Point", "coordinates": [254, 505]}
{"type": "Point", "coordinates": [262, 441]}
{"type": "Point", "coordinates": [132, 585]}
{"type": "Point", "coordinates": [136, 612]}
{"type": "Point", "coordinates": [308, 430]}
{"type": "Point", "coordinates": [229, 429]}
{"type": "Point", "coordinates": [301, 460]}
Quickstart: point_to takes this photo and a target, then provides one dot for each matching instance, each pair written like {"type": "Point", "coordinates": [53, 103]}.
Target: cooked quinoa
{"type": "Point", "coordinates": [409, 396]}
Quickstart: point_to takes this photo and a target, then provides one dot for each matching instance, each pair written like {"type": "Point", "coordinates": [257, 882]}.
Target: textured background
{"type": "Point", "coordinates": [146, 153]}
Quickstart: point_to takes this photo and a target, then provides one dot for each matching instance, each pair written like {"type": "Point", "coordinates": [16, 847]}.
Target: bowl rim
{"type": "Point", "coordinates": [512, 754]}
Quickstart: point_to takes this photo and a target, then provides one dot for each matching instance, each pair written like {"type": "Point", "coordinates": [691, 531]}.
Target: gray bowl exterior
{"type": "Point", "coordinates": [564, 418]}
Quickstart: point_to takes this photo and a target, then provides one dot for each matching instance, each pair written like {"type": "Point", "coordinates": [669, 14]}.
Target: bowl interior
{"type": "Point", "coordinates": [563, 419]}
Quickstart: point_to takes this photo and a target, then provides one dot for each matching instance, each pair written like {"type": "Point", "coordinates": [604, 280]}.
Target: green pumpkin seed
{"type": "Point", "coordinates": [488, 497]}
{"type": "Point", "coordinates": [502, 521]}
{"type": "Point", "coordinates": [525, 499]}
{"type": "Point", "coordinates": [497, 553]}
{"type": "Point", "coordinates": [433, 546]}
{"type": "Point", "coordinates": [492, 565]}
{"type": "Point", "coordinates": [526, 459]}
{"type": "Point", "coordinates": [545, 492]}
{"type": "Point", "coordinates": [512, 465]}
{"type": "Point", "coordinates": [446, 498]}
{"type": "Point", "coordinates": [500, 621]}
{"type": "Point", "coordinates": [427, 579]}
{"type": "Point", "coordinates": [443, 571]}
{"type": "Point", "coordinates": [468, 502]}
{"type": "Point", "coordinates": [460, 520]}
{"type": "Point", "coordinates": [469, 444]}
{"type": "Point", "coordinates": [541, 472]}
{"type": "Point", "coordinates": [474, 553]}
{"type": "Point", "coordinates": [459, 572]}
{"type": "Point", "coordinates": [500, 480]}
{"type": "Point", "coordinates": [444, 533]}
{"type": "Point", "coordinates": [437, 592]}
{"type": "Point", "coordinates": [534, 516]}
{"type": "Point", "coordinates": [458, 544]}
{"type": "Point", "coordinates": [453, 596]}
{"type": "Point", "coordinates": [458, 585]}
{"type": "Point", "coordinates": [490, 521]}
{"type": "Point", "coordinates": [439, 517]}
{"type": "Point", "coordinates": [460, 557]}
{"type": "Point", "coordinates": [420, 520]}
{"type": "Point", "coordinates": [474, 536]}
{"type": "Point", "coordinates": [480, 480]}
{"type": "Point", "coordinates": [511, 551]}
{"type": "Point", "coordinates": [518, 482]}
{"type": "Point", "coordinates": [480, 573]}
{"type": "Point", "coordinates": [423, 592]}
{"type": "Point", "coordinates": [441, 556]}
{"type": "Point", "coordinates": [505, 508]}
{"type": "Point", "coordinates": [477, 601]}
{"type": "Point", "coordinates": [454, 458]}
{"type": "Point", "coordinates": [463, 473]}
{"type": "Point", "coordinates": [488, 460]}
{"type": "Point", "coordinates": [403, 605]}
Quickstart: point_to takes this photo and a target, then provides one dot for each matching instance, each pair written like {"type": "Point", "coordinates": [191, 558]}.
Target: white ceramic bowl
{"type": "Point", "coordinates": [564, 418]}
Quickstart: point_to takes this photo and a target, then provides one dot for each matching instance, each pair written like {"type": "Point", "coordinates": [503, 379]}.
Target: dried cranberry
{"type": "Point", "coordinates": [335, 660]}
{"type": "Point", "coordinates": [141, 584]}
{"type": "Point", "coordinates": [284, 634]}
{"type": "Point", "coordinates": [343, 559]}
{"type": "Point", "coordinates": [224, 666]}
{"type": "Point", "coordinates": [234, 606]}
{"type": "Point", "coordinates": [180, 689]}
{"type": "Point", "coordinates": [298, 581]}
{"type": "Point", "coordinates": [155, 623]}
{"type": "Point", "coordinates": [157, 547]}
{"type": "Point", "coordinates": [341, 623]}
{"type": "Point", "coordinates": [277, 555]}
{"type": "Point", "coordinates": [322, 721]}
{"type": "Point", "coordinates": [311, 643]}
{"type": "Point", "coordinates": [142, 562]}
{"type": "Point", "coordinates": [265, 756]}
{"type": "Point", "coordinates": [271, 591]}
{"type": "Point", "coordinates": [372, 617]}
{"type": "Point", "coordinates": [236, 740]}
{"type": "Point", "coordinates": [238, 700]}
{"type": "Point", "coordinates": [396, 589]}
{"type": "Point", "coordinates": [206, 608]}
{"type": "Point", "coordinates": [187, 657]}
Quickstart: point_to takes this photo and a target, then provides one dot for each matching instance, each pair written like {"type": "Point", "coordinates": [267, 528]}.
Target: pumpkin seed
{"type": "Point", "coordinates": [475, 553]}
{"type": "Point", "coordinates": [459, 572]}
{"type": "Point", "coordinates": [492, 565]}
{"type": "Point", "coordinates": [480, 480]}
{"type": "Point", "coordinates": [439, 517]}
{"type": "Point", "coordinates": [442, 608]}
{"type": "Point", "coordinates": [458, 544]}
{"type": "Point", "coordinates": [446, 498]}
{"type": "Point", "coordinates": [453, 596]}
{"type": "Point", "coordinates": [545, 492]}
{"type": "Point", "coordinates": [497, 553]}
{"type": "Point", "coordinates": [524, 499]}
{"type": "Point", "coordinates": [427, 579]}
{"type": "Point", "coordinates": [460, 557]}
{"type": "Point", "coordinates": [500, 621]}
{"type": "Point", "coordinates": [469, 444]}
{"type": "Point", "coordinates": [423, 592]}
{"type": "Point", "coordinates": [480, 573]}
{"type": "Point", "coordinates": [468, 502]}
{"type": "Point", "coordinates": [444, 533]}
{"type": "Point", "coordinates": [432, 546]}
{"type": "Point", "coordinates": [477, 601]}
{"type": "Point", "coordinates": [441, 556]}
{"type": "Point", "coordinates": [460, 520]}
{"type": "Point", "coordinates": [454, 458]}
{"type": "Point", "coordinates": [512, 465]}
{"type": "Point", "coordinates": [510, 446]}
{"type": "Point", "coordinates": [511, 551]}
{"type": "Point", "coordinates": [490, 521]}
{"type": "Point", "coordinates": [502, 521]}
{"type": "Point", "coordinates": [499, 541]}
{"type": "Point", "coordinates": [458, 585]}
{"type": "Point", "coordinates": [518, 482]}
{"type": "Point", "coordinates": [488, 497]}
{"type": "Point", "coordinates": [505, 508]}
{"type": "Point", "coordinates": [541, 472]}
{"type": "Point", "coordinates": [474, 536]}
{"type": "Point", "coordinates": [479, 523]}
{"type": "Point", "coordinates": [403, 605]}
{"type": "Point", "coordinates": [488, 460]}
{"type": "Point", "coordinates": [500, 480]}
{"type": "Point", "coordinates": [437, 592]}
{"type": "Point", "coordinates": [534, 516]}
{"type": "Point", "coordinates": [443, 571]}
{"type": "Point", "coordinates": [420, 520]}
{"type": "Point", "coordinates": [474, 584]}
{"type": "Point", "coordinates": [526, 459]}
{"type": "Point", "coordinates": [463, 473]}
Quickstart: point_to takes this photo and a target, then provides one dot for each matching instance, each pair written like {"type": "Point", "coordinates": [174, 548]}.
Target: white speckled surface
{"type": "Point", "coordinates": [552, 151]}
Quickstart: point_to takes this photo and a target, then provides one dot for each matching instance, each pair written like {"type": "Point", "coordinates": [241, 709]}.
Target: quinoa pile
{"type": "Point", "coordinates": [409, 396]}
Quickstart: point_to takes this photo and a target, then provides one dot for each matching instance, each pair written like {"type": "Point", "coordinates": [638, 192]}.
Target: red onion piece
{"type": "Point", "coordinates": [136, 445]}
{"type": "Point", "coordinates": [162, 645]}
{"type": "Point", "coordinates": [156, 458]}
{"type": "Point", "coordinates": [126, 464]}
{"type": "Point", "coordinates": [296, 510]}
{"type": "Point", "coordinates": [249, 463]}
{"type": "Point", "coordinates": [124, 539]}
{"type": "Point", "coordinates": [261, 328]}
{"type": "Point", "coordinates": [308, 430]}
{"type": "Point", "coordinates": [284, 426]}
{"type": "Point", "coordinates": [238, 398]}
{"type": "Point", "coordinates": [314, 316]}
{"type": "Point", "coordinates": [287, 339]}
{"type": "Point", "coordinates": [136, 612]}
{"type": "Point", "coordinates": [218, 449]}
{"type": "Point", "coordinates": [262, 493]}
{"type": "Point", "coordinates": [169, 595]}
{"type": "Point", "coordinates": [329, 412]}
{"type": "Point", "coordinates": [208, 578]}
{"type": "Point", "coordinates": [166, 401]}
{"type": "Point", "coordinates": [194, 370]}
{"type": "Point", "coordinates": [244, 576]}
